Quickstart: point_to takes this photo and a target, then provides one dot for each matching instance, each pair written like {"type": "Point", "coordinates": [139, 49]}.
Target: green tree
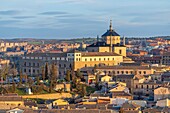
{"type": "Point", "coordinates": [13, 87]}
{"type": "Point", "coordinates": [20, 77]}
{"type": "Point", "coordinates": [97, 80]}
{"type": "Point", "coordinates": [95, 68]}
{"type": "Point", "coordinates": [30, 82]}
{"type": "Point", "coordinates": [84, 90]}
{"type": "Point", "coordinates": [5, 71]}
{"type": "Point", "coordinates": [78, 73]}
{"type": "Point", "coordinates": [38, 80]}
{"type": "Point", "coordinates": [51, 86]}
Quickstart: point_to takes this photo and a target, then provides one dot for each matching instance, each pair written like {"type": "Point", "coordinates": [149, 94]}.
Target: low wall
{"type": "Point", "coordinates": [49, 96]}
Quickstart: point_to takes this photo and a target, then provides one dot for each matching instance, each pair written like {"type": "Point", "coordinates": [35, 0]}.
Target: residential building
{"type": "Point", "coordinates": [163, 103]}
{"type": "Point", "coordinates": [166, 58]}
{"type": "Point", "coordinates": [130, 107]}
{"type": "Point", "coordinates": [127, 70]}
{"type": "Point", "coordinates": [121, 94]}
{"type": "Point", "coordinates": [161, 93]}
{"type": "Point", "coordinates": [10, 101]}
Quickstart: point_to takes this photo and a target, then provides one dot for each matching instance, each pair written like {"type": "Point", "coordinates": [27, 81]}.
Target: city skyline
{"type": "Point", "coordinates": [85, 18]}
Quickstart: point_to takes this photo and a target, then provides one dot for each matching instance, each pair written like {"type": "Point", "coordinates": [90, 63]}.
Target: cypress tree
{"type": "Point", "coordinates": [46, 71]}
{"type": "Point", "coordinates": [68, 78]}
{"type": "Point", "coordinates": [43, 73]}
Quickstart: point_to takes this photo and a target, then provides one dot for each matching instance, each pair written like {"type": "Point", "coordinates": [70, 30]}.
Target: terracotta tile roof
{"type": "Point", "coordinates": [166, 54]}
{"type": "Point", "coordinates": [152, 110]}
{"type": "Point", "coordinates": [120, 93]}
{"type": "Point", "coordinates": [47, 55]}
{"type": "Point", "coordinates": [138, 77]}
{"type": "Point", "coordinates": [124, 67]}
{"type": "Point", "coordinates": [126, 76]}
{"type": "Point", "coordinates": [30, 103]}
{"type": "Point", "coordinates": [166, 110]}
{"type": "Point", "coordinates": [67, 111]}
{"type": "Point", "coordinates": [135, 111]}
{"type": "Point", "coordinates": [130, 105]}
{"type": "Point", "coordinates": [10, 98]}
{"type": "Point", "coordinates": [99, 54]}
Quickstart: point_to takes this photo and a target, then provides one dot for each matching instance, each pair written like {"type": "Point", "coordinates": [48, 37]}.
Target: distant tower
{"type": "Point", "coordinates": [124, 40]}
{"type": "Point", "coordinates": [97, 38]}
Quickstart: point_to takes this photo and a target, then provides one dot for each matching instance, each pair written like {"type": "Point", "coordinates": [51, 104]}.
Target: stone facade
{"type": "Point", "coordinates": [32, 64]}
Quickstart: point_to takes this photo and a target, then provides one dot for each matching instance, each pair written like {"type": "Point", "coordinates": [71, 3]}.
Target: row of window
{"type": "Point", "coordinates": [86, 65]}
{"type": "Point", "coordinates": [31, 64]}
{"type": "Point", "coordinates": [166, 56]}
{"type": "Point", "coordinates": [147, 86]}
{"type": "Point", "coordinates": [38, 65]}
{"type": "Point", "coordinates": [125, 72]}
{"type": "Point", "coordinates": [100, 59]}
{"type": "Point", "coordinates": [70, 59]}
{"type": "Point", "coordinates": [78, 59]}
{"type": "Point", "coordinates": [34, 71]}
{"type": "Point", "coordinates": [73, 54]}
{"type": "Point", "coordinates": [46, 58]}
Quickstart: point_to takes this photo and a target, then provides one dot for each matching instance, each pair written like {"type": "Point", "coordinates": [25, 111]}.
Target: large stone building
{"type": "Point", "coordinates": [32, 64]}
{"type": "Point", "coordinates": [108, 52]}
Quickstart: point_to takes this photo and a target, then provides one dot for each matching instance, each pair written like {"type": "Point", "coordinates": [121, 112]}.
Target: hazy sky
{"type": "Point", "coordinates": [83, 18]}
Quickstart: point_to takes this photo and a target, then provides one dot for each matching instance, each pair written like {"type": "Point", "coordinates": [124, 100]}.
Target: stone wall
{"type": "Point", "coordinates": [49, 96]}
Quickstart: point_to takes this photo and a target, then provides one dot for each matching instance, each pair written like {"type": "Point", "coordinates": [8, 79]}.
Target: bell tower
{"type": "Point", "coordinates": [111, 37]}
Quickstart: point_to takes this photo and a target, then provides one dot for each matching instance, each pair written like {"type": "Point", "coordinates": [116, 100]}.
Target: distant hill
{"type": "Point", "coordinates": [164, 37]}
{"type": "Point", "coordinates": [52, 41]}
{"type": "Point", "coordinates": [76, 40]}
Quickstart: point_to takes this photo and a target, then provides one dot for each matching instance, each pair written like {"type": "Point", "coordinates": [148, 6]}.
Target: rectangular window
{"type": "Point", "coordinates": [120, 51]}
{"type": "Point", "coordinates": [27, 57]}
